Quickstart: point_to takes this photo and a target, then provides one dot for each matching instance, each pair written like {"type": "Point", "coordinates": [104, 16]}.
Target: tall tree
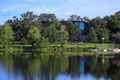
{"type": "Point", "coordinates": [39, 43]}
{"type": "Point", "coordinates": [103, 34]}
{"type": "Point", "coordinates": [116, 37]}
{"type": "Point", "coordinates": [51, 33]}
{"type": "Point", "coordinates": [73, 31]}
{"type": "Point", "coordinates": [6, 38]}
{"type": "Point", "coordinates": [33, 34]}
{"type": "Point", "coordinates": [28, 19]}
{"type": "Point", "coordinates": [62, 36]}
{"type": "Point", "coordinates": [93, 36]}
{"type": "Point", "coordinates": [21, 25]}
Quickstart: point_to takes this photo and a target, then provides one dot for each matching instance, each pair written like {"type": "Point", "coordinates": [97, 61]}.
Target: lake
{"type": "Point", "coordinates": [59, 67]}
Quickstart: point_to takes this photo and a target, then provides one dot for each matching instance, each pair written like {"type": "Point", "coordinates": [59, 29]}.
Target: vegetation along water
{"type": "Point", "coordinates": [42, 47]}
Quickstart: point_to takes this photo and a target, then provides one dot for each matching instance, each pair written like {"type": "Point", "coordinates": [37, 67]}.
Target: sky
{"type": "Point", "coordinates": [62, 8]}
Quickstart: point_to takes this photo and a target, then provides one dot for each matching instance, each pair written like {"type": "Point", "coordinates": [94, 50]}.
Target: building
{"type": "Point", "coordinates": [81, 24]}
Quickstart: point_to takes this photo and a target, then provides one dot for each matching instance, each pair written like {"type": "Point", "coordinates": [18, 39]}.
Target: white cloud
{"type": "Point", "coordinates": [43, 10]}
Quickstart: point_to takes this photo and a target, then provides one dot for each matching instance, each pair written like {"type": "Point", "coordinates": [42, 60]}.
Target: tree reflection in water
{"type": "Point", "coordinates": [44, 67]}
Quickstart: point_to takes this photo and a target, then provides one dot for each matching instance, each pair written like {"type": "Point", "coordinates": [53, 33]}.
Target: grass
{"type": "Point", "coordinates": [82, 45]}
{"type": "Point", "coordinates": [71, 49]}
{"type": "Point", "coordinates": [69, 45]}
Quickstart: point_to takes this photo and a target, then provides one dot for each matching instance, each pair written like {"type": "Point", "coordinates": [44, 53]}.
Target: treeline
{"type": "Point", "coordinates": [33, 29]}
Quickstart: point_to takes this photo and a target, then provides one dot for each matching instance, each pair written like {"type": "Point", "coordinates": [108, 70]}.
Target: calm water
{"type": "Point", "coordinates": [59, 68]}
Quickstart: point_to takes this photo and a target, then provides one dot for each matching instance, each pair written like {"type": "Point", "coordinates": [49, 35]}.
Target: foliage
{"type": "Point", "coordinates": [62, 37]}
{"type": "Point", "coordinates": [51, 33]}
{"type": "Point", "coordinates": [39, 30]}
{"type": "Point", "coordinates": [33, 34]}
{"type": "Point", "coordinates": [41, 46]}
{"type": "Point", "coordinates": [6, 38]}
{"type": "Point", "coordinates": [103, 35]}
{"type": "Point", "coordinates": [93, 36]}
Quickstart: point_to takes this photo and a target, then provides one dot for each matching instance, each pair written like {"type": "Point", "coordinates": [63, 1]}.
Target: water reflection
{"type": "Point", "coordinates": [43, 67]}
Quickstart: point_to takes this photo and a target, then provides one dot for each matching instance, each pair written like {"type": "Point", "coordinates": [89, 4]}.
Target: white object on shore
{"type": "Point", "coordinates": [105, 50]}
{"type": "Point", "coordinates": [116, 50]}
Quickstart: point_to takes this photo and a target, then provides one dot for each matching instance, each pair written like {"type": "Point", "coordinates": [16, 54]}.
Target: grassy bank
{"type": "Point", "coordinates": [83, 45]}
{"type": "Point", "coordinates": [64, 49]}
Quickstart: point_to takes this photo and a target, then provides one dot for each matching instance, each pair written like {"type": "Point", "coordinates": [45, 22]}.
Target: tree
{"type": "Point", "coordinates": [39, 43]}
{"type": "Point", "coordinates": [65, 36]}
{"type": "Point", "coordinates": [74, 18]}
{"type": "Point", "coordinates": [41, 46]}
{"type": "Point", "coordinates": [33, 34]}
{"type": "Point", "coordinates": [106, 35]}
{"type": "Point", "coordinates": [44, 21]}
{"type": "Point", "coordinates": [98, 22]}
{"type": "Point", "coordinates": [113, 22]}
{"type": "Point", "coordinates": [47, 21]}
{"type": "Point", "coordinates": [70, 28]}
{"type": "Point", "coordinates": [100, 25]}
{"type": "Point", "coordinates": [73, 31]}
{"type": "Point", "coordinates": [86, 19]}
{"type": "Point", "coordinates": [21, 25]}
{"type": "Point", "coordinates": [103, 33]}
{"type": "Point", "coordinates": [62, 36]}
{"type": "Point", "coordinates": [27, 19]}
{"type": "Point", "coordinates": [92, 36]}
{"type": "Point", "coordinates": [52, 33]}
{"type": "Point", "coordinates": [116, 37]}
{"type": "Point", "coordinates": [47, 17]}
{"type": "Point", "coordinates": [6, 38]}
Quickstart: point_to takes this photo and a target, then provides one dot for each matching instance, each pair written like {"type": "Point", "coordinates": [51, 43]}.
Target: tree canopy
{"type": "Point", "coordinates": [31, 27]}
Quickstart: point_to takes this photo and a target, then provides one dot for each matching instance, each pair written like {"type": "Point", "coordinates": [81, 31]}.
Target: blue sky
{"type": "Point", "coordinates": [62, 8]}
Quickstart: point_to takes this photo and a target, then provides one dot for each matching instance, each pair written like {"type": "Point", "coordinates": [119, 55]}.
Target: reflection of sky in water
{"type": "Point", "coordinates": [68, 77]}
{"type": "Point", "coordinates": [82, 77]}
{"type": "Point", "coordinates": [11, 75]}
{"type": "Point", "coordinates": [3, 73]}
{"type": "Point", "coordinates": [6, 75]}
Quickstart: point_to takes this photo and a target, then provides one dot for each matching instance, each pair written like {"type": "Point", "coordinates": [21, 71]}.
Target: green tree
{"type": "Point", "coordinates": [92, 36]}
{"type": "Point", "coordinates": [113, 22]}
{"type": "Point", "coordinates": [65, 36]}
{"type": "Point", "coordinates": [39, 43]}
{"type": "Point", "coordinates": [100, 25]}
{"type": "Point", "coordinates": [21, 25]}
{"type": "Point", "coordinates": [70, 28]}
{"type": "Point", "coordinates": [6, 38]}
{"type": "Point", "coordinates": [33, 34]}
{"type": "Point", "coordinates": [41, 46]}
{"type": "Point", "coordinates": [51, 33]}
{"type": "Point", "coordinates": [103, 33]}
{"type": "Point", "coordinates": [62, 37]}
{"type": "Point", "coordinates": [44, 21]}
